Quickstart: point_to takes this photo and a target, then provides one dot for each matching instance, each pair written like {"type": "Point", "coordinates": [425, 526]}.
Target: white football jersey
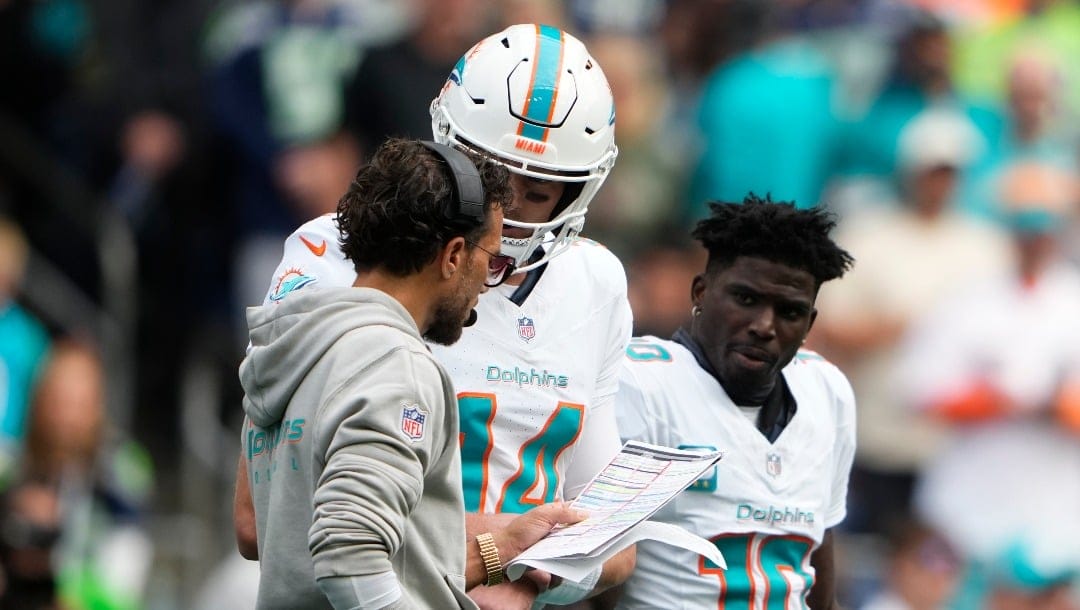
{"type": "Point", "coordinates": [765, 505]}
{"type": "Point", "coordinates": [536, 383]}
{"type": "Point", "coordinates": [312, 257]}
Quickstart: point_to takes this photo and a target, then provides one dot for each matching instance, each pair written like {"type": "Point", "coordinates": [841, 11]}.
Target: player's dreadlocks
{"type": "Point", "coordinates": [775, 231]}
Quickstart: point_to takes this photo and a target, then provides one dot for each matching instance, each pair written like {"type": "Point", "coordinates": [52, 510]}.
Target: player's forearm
{"type": "Point", "coordinates": [822, 595]}
{"type": "Point", "coordinates": [616, 570]}
{"type": "Point", "coordinates": [244, 515]}
{"type": "Point", "coordinates": [608, 576]}
{"type": "Point", "coordinates": [822, 604]}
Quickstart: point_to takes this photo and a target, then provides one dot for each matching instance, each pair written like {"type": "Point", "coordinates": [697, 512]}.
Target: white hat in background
{"type": "Point", "coordinates": [938, 137]}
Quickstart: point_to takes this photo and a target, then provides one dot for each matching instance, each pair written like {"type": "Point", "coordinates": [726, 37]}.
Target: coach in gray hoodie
{"type": "Point", "coordinates": [350, 439]}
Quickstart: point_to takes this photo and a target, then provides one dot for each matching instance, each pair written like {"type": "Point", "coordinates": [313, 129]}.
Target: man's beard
{"type": "Point", "coordinates": [447, 325]}
{"type": "Point", "coordinates": [451, 315]}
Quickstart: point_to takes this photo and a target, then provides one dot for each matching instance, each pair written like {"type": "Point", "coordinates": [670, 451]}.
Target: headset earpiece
{"type": "Point", "coordinates": [468, 189]}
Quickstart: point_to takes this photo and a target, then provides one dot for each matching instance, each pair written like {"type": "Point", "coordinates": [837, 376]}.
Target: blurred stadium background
{"type": "Point", "coordinates": [155, 153]}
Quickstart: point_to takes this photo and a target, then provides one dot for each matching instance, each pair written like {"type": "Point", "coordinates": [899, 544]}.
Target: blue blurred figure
{"type": "Point", "coordinates": [766, 117]}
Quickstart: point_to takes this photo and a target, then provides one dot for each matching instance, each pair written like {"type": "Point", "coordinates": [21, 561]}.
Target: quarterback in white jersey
{"type": "Point", "coordinates": [736, 381]}
{"type": "Point", "coordinates": [537, 374]}
{"type": "Point", "coordinates": [536, 383]}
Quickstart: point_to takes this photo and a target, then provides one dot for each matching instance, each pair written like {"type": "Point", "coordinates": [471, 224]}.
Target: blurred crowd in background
{"type": "Point", "coordinates": [154, 154]}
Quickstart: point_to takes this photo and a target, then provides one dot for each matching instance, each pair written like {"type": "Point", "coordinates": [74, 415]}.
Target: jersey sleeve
{"type": "Point", "coordinates": [618, 336]}
{"type": "Point", "coordinates": [844, 398]}
{"type": "Point", "coordinates": [311, 257]}
{"type": "Point", "coordinates": [599, 442]}
{"type": "Point", "coordinates": [599, 438]}
{"type": "Point", "coordinates": [634, 411]}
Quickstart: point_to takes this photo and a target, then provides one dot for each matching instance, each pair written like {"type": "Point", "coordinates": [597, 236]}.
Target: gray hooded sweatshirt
{"type": "Point", "coordinates": [351, 443]}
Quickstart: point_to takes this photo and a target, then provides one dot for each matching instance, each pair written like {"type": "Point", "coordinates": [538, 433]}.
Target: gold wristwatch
{"type": "Point", "coordinates": [492, 562]}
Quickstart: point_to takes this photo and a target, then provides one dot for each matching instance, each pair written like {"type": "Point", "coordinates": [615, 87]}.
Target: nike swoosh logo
{"type": "Point", "coordinates": [318, 250]}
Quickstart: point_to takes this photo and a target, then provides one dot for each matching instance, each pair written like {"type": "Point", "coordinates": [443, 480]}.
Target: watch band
{"type": "Point", "coordinates": [492, 562]}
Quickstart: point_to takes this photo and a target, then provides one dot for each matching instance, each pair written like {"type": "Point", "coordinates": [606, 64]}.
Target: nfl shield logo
{"type": "Point", "coordinates": [772, 464]}
{"type": "Point", "coordinates": [526, 329]}
{"type": "Point", "coordinates": [412, 422]}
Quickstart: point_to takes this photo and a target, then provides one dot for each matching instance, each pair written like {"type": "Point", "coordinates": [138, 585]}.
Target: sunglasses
{"type": "Point", "coordinates": [500, 266]}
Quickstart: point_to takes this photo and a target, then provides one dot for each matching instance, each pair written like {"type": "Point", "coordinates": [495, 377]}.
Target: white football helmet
{"type": "Point", "coordinates": [531, 98]}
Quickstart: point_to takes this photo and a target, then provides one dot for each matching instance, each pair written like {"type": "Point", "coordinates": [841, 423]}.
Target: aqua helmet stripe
{"type": "Point", "coordinates": [544, 84]}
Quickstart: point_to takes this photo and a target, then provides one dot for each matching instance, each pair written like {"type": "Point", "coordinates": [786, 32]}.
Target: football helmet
{"type": "Point", "coordinates": [532, 98]}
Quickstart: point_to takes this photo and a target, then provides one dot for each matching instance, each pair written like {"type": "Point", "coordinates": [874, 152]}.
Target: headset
{"type": "Point", "coordinates": [468, 189]}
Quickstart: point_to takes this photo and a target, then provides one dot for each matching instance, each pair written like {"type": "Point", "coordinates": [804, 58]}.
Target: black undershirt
{"type": "Point", "coordinates": [779, 406]}
{"type": "Point", "coordinates": [532, 276]}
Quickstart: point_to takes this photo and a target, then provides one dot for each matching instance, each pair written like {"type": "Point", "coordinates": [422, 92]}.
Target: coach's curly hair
{"type": "Point", "coordinates": [394, 214]}
{"type": "Point", "coordinates": [775, 231]}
